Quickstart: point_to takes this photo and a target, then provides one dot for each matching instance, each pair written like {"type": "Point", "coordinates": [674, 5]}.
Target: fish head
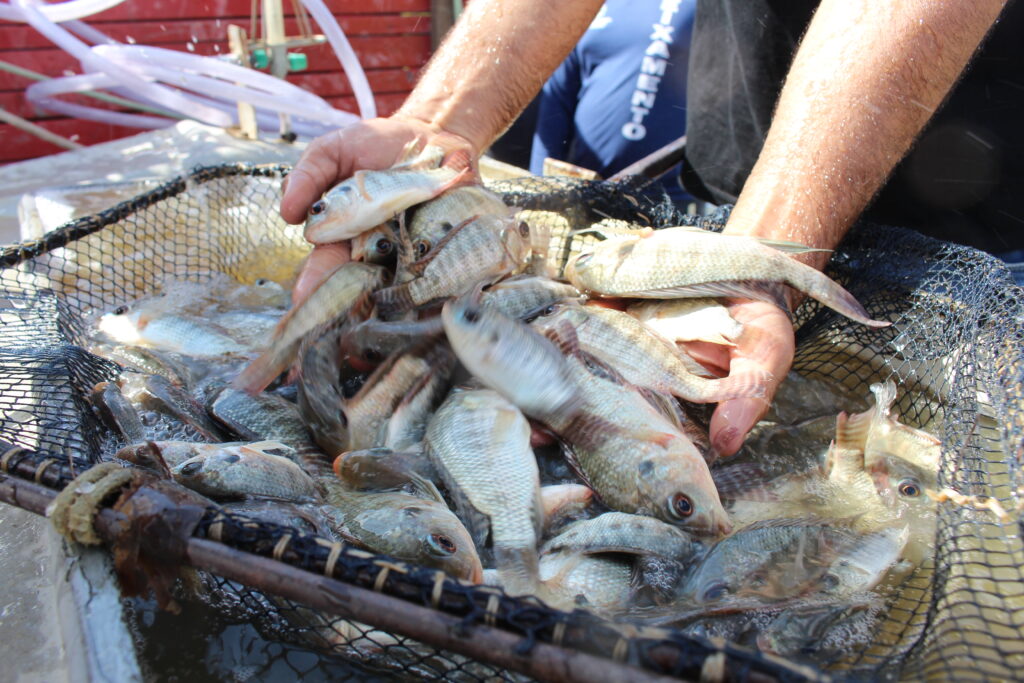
{"type": "Point", "coordinates": [206, 470]}
{"type": "Point", "coordinates": [124, 324]}
{"type": "Point", "coordinates": [515, 237]}
{"type": "Point", "coordinates": [550, 317]}
{"type": "Point", "coordinates": [431, 535]}
{"type": "Point", "coordinates": [375, 246]}
{"type": "Point", "coordinates": [586, 271]}
{"type": "Point", "coordinates": [676, 487]}
{"type": "Point", "coordinates": [329, 215]}
{"type": "Point", "coordinates": [266, 292]}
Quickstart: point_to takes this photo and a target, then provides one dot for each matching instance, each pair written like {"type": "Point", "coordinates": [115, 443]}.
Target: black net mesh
{"type": "Point", "coordinates": [954, 350]}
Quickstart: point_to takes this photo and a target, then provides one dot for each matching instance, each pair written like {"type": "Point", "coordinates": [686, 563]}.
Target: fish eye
{"type": "Point", "coordinates": [471, 315]}
{"type": "Point", "coordinates": [680, 506]}
{"type": "Point", "coordinates": [715, 591]}
{"type": "Point", "coordinates": [829, 581]}
{"type": "Point", "coordinates": [583, 258]}
{"type": "Point", "coordinates": [190, 468]}
{"type": "Point", "coordinates": [421, 247]}
{"type": "Point", "coordinates": [121, 310]}
{"type": "Point", "coordinates": [548, 310]}
{"type": "Point", "coordinates": [909, 488]}
{"type": "Point", "coordinates": [524, 229]}
{"type": "Point", "coordinates": [441, 544]}
{"type": "Point", "coordinates": [262, 282]}
{"type": "Point", "coordinates": [372, 355]}
{"type": "Point", "coordinates": [384, 245]}
{"type": "Point", "coordinates": [317, 208]}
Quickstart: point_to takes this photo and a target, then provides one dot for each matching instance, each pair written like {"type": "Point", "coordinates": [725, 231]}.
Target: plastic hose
{"type": "Point", "coordinates": [61, 11]}
{"type": "Point", "coordinates": [346, 55]}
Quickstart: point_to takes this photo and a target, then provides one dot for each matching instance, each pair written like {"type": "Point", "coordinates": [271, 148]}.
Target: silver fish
{"type": "Point", "coordinates": [255, 469]}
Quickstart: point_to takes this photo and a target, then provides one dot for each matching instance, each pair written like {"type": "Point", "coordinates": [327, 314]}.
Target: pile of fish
{"type": "Point", "coordinates": [456, 398]}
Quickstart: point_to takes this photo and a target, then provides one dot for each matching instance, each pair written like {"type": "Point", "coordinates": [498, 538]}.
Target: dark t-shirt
{"type": "Point", "coordinates": [621, 92]}
{"type": "Point", "coordinates": [963, 180]}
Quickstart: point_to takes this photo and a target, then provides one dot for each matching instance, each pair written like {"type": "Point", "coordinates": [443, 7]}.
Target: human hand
{"type": "Point", "coordinates": [374, 144]}
{"type": "Point", "coordinates": [767, 344]}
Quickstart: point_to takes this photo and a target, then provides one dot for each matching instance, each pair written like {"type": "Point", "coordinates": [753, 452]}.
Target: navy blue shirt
{"type": "Point", "coordinates": [621, 93]}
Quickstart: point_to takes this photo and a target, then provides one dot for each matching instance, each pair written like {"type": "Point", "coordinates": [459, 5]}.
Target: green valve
{"type": "Point", "coordinates": [259, 58]}
{"type": "Point", "coordinates": [297, 61]}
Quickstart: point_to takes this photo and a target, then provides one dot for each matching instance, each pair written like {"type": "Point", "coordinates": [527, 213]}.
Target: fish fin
{"type": "Point", "coordinates": [395, 299]}
{"type": "Point", "coordinates": [852, 431]}
{"type": "Point", "coordinates": [752, 384]}
{"type": "Point", "coordinates": [463, 178]}
{"type": "Point", "coordinates": [425, 488]}
{"type": "Point", "coordinates": [885, 397]}
{"type": "Point", "coordinates": [759, 290]}
{"type": "Point", "coordinates": [742, 481]}
{"type": "Point", "coordinates": [360, 311]}
{"type": "Point", "coordinates": [573, 460]}
{"type": "Point", "coordinates": [258, 374]}
{"type": "Point", "coordinates": [160, 464]}
{"type": "Point", "coordinates": [457, 160]}
{"type": "Point", "coordinates": [360, 182]}
{"type": "Point", "coordinates": [564, 336]}
{"type": "Point", "coordinates": [518, 568]}
{"type": "Point", "coordinates": [791, 247]}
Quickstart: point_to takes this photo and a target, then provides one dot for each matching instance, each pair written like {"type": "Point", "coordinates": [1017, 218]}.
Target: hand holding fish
{"type": "Point", "coordinates": [767, 344]}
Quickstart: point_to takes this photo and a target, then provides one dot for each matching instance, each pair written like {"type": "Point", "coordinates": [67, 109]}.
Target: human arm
{"type": "Point", "coordinates": [491, 64]}
{"type": "Point", "coordinates": [866, 79]}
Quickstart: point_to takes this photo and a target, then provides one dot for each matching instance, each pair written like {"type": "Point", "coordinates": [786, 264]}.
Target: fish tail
{"type": "Point", "coordinates": [753, 384]}
{"type": "Point", "coordinates": [518, 568]}
{"type": "Point", "coordinates": [819, 286]}
{"type": "Point", "coordinates": [261, 372]}
{"type": "Point", "coordinates": [391, 300]}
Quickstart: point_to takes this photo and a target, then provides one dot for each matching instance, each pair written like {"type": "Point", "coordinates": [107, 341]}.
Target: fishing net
{"type": "Point", "coordinates": [954, 351]}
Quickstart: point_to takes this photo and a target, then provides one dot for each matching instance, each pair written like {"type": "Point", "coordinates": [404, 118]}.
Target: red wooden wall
{"type": "Point", "coordinates": [391, 37]}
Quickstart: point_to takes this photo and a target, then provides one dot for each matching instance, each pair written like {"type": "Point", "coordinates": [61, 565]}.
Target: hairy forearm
{"type": "Point", "coordinates": [866, 79]}
{"type": "Point", "coordinates": [493, 62]}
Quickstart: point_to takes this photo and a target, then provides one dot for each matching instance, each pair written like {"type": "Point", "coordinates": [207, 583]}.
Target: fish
{"type": "Point", "coordinates": [370, 410]}
{"type": "Point", "coordinates": [415, 528]}
{"type": "Point", "coordinates": [645, 359]}
{"type": "Point", "coordinates": [806, 629]}
{"type": "Point", "coordinates": [696, 263]}
{"type": "Point", "coordinates": [371, 341]}
{"type": "Point", "coordinates": [138, 325]}
{"type": "Point", "coordinates": [407, 426]}
{"type": "Point", "coordinates": [377, 245]}
{"type": "Point", "coordinates": [620, 532]}
{"type": "Point", "coordinates": [684, 320]}
{"type": "Point", "coordinates": [370, 198]}
{"type": "Point", "coordinates": [330, 301]}
{"type": "Point", "coordinates": [599, 583]}
{"type": "Point", "coordinates": [321, 392]}
{"type": "Point", "coordinates": [264, 417]}
{"type": "Point", "coordinates": [904, 489]}
{"type": "Point", "coordinates": [878, 433]}
{"type": "Point", "coordinates": [263, 292]}
{"type": "Point", "coordinates": [510, 357]}
{"type": "Point", "coordinates": [158, 393]}
{"type": "Point", "coordinates": [145, 361]}
{"type": "Point", "coordinates": [226, 471]}
{"type": "Point", "coordinates": [382, 469]}
{"type": "Point", "coordinates": [525, 296]}
{"type": "Point", "coordinates": [635, 460]}
{"type": "Point", "coordinates": [769, 561]}
{"type": "Point", "coordinates": [302, 517]}
{"type": "Point", "coordinates": [117, 412]}
{"type": "Point", "coordinates": [479, 443]}
{"type": "Point", "coordinates": [435, 218]}
{"type": "Point", "coordinates": [480, 250]}
{"type": "Point", "coordinates": [165, 455]}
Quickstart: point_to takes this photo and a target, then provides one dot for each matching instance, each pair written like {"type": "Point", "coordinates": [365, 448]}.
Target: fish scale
{"type": "Point", "coordinates": [480, 444]}
{"type": "Point", "coordinates": [689, 262]}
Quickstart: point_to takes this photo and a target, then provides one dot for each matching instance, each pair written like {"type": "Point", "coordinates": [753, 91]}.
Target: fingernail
{"type": "Point", "coordinates": [725, 442]}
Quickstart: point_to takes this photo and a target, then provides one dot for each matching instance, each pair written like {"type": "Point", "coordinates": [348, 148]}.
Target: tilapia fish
{"type": "Point", "coordinates": [382, 469]}
{"type": "Point", "coordinates": [329, 301]}
{"type": "Point", "coordinates": [378, 245]}
{"type": "Point", "coordinates": [370, 198]}
{"type": "Point", "coordinates": [776, 560]}
{"type": "Point", "coordinates": [525, 296]}
{"type": "Point", "coordinates": [480, 445]}
{"type": "Point", "coordinates": [689, 262]}
{"type": "Point", "coordinates": [434, 219]}
{"type": "Point", "coordinates": [370, 410]}
{"type": "Point", "coordinates": [415, 528]}
{"type": "Point", "coordinates": [225, 471]}
{"type": "Point", "coordinates": [176, 332]}
{"type": "Point", "coordinates": [645, 359]}
{"type": "Point", "coordinates": [117, 412]}
{"type": "Point", "coordinates": [480, 250]}
{"type": "Point", "coordinates": [634, 459]}
{"type": "Point", "coordinates": [321, 392]}
{"type": "Point", "coordinates": [511, 358]}
{"type": "Point", "coordinates": [373, 340]}
{"type": "Point", "coordinates": [600, 583]}
{"type": "Point", "coordinates": [619, 532]}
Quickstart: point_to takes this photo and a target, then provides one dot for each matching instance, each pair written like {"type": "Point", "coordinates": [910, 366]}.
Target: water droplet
{"type": "Point", "coordinates": [130, 40]}
{"type": "Point", "coordinates": [190, 47]}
